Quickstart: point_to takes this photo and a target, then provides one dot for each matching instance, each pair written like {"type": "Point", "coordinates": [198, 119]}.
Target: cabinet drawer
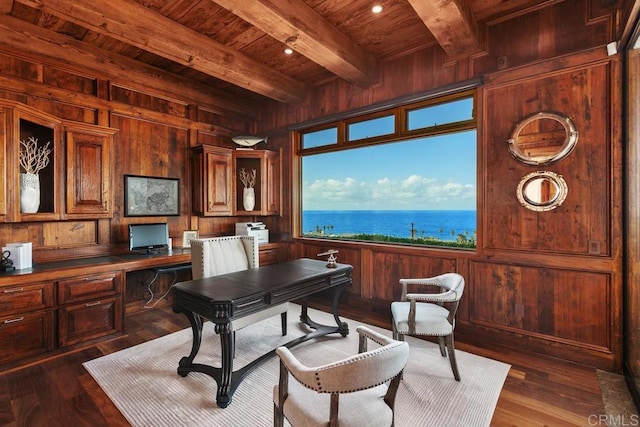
{"type": "Point", "coordinates": [268, 256]}
{"type": "Point", "coordinates": [24, 335]}
{"type": "Point", "coordinates": [93, 319]}
{"type": "Point", "coordinates": [37, 296]}
{"type": "Point", "coordinates": [89, 287]}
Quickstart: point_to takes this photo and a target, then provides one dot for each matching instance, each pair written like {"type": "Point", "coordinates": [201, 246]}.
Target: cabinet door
{"type": "Point", "coordinates": [24, 335]}
{"type": "Point", "coordinates": [272, 183]}
{"type": "Point", "coordinates": [212, 181]}
{"type": "Point", "coordinates": [88, 171]}
{"type": "Point", "coordinates": [89, 320]}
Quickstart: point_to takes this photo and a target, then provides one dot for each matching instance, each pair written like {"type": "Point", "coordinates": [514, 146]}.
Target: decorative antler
{"type": "Point", "coordinates": [248, 179]}
{"type": "Point", "coordinates": [33, 158]}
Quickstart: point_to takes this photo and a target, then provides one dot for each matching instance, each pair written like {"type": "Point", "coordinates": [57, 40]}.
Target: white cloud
{"type": "Point", "coordinates": [413, 192]}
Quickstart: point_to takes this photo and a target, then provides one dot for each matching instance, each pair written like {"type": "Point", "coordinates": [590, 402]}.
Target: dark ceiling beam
{"type": "Point", "coordinates": [452, 24]}
{"type": "Point", "coordinates": [137, 25]}
{"type": "Point", "coordinates": [298, 26]}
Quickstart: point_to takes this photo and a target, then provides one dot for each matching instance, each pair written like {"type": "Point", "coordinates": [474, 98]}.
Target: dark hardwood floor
{"type": "Point", "coordinates": [539, 391]}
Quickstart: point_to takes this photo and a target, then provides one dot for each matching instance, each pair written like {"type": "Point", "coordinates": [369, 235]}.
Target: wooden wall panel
{"type": "Point", "coordinates": [149, 149]}
{"type": "Point", "coordinates": [564, 305]}
{"type": "Point", "coordinates": [67, 234]}
{"type": "Point", "coordinates": [585, 217]}
{"type": "Point", "coordinates": [388, 268]}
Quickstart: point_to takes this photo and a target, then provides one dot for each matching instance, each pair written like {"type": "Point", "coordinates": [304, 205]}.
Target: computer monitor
{"type": "Point", "coordinates": [148, 237]}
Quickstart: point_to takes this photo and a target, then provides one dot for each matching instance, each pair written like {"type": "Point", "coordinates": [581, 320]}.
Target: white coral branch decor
{"type": "Point", "coordinates": [248, 178]}
{"type": "Point", "coordinates": [33, 158]}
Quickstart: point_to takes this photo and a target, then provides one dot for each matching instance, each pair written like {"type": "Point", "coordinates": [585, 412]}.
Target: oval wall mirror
{"type": "Point", "coordinates": [542, 191]}
{"type": "Point", "coordinates": [543, 138]}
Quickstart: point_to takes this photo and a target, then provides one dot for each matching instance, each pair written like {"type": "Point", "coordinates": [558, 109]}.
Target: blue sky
{"type": "Point", "coordinates": [437, 173]}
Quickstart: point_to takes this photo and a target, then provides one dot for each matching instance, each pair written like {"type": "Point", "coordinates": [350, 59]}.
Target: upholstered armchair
{"type": "Point", "coordinates": [359, 390]}
{"type": "Point", "coordinates": [430, 314]}
{"type": "Point", "coordinates": [226, 254]}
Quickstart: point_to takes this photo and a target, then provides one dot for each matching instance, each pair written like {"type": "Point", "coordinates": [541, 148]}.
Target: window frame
{"type": "Point", "coordinates": [401, 133]}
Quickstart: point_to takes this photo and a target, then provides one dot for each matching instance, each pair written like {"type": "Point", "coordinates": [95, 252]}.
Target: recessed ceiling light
{"type": "Point", "coordinates": [288, 51]}
{"type": "Point", "coordinates": [376, 9]}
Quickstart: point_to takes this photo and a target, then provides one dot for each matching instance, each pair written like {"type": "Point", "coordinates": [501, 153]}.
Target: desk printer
{"type": "Point", "coordinates": [257, 229]}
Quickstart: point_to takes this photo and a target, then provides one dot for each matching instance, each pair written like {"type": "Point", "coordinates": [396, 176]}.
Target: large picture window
{"type": "Point", "coordinates": [406, 176]}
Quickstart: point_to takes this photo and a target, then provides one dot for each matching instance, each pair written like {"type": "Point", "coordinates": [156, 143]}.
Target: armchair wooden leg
{"type": "Point", "coordinates": [452, 357]}
{"type": "Point", "coordinates": [283, 323]}
{"type": "Point", "coordinates": [441, 343]}
{"type": "Point", "coordinates": [278, 418]}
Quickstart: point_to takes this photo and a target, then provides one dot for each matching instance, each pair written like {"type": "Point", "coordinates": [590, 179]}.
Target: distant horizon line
{"type": "Point", "coordinates": [389, 210]}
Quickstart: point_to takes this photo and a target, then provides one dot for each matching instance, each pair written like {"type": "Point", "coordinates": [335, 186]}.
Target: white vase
{"type": "Point", "coordinates": [29, 192]}
{"type": "Point", "coordinates": [248, 199]}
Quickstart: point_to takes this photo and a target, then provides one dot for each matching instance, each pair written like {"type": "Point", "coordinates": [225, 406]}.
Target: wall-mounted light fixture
{"type": "Point", "coordinates": [248, 140]}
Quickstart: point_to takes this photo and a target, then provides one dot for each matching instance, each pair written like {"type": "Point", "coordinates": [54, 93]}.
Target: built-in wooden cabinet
{"type": "Point", "coordinates": [269, 253]}
{"type": "Point", "coordinates": [88, 167]}
{"type": "Point", "coordinates": [217, 189]}
{"type": "Point", "coordinates": [22, 123]}
{"type": "Point", "coordinates": [72, 186]}
{"type": "Point", "coordinates": [212, 183]}
{"type": "Point", "coordinates": [31, 317]}
{"type": "Point", "coordinates": [26, 321]}
{"type": "Point", "coordinates": [267, 186]}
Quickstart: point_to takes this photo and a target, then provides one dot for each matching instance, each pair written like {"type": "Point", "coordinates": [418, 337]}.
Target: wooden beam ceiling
{"type": "Point", "coordinates": [297, 25]}
{"type": "Point", "coordinates": [291, 22]}
{"type": "Point", "coordinates": [132, 23]}
{"type": "Point", "coordinates": [452, 24]}
{"type": "Point", "coordinates": [33, 40]}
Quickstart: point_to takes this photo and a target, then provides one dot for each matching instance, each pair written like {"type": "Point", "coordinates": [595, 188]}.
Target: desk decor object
{"type": "Point", "coordinates": [188, 236]}
{"type": "Point", "coordinates": [32, 160]}
{"type": "Point", "coordinates": [19, 253]}
{"type": "Point", "coordinates": [331, 261]}
{"type": "Point", "coordinates": [248, 179]}
{"type": "Point", "coordinates": [151, 196]}
{"type": "Point", "coordinates": [227, 297]}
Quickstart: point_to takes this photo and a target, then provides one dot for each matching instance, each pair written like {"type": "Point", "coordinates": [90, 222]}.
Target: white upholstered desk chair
{"type": "Point", "coordinates": [431, 314]}
{"type": "Point", "coordinates": [227, 254]}
{"type": "Point", "coordinates": [356, 391]}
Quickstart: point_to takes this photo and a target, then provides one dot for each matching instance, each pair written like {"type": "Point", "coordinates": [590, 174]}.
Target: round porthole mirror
{"type": "Point", "coordinates": [542, 191]}
{"type": "Point", "coordinates": [543, 138]}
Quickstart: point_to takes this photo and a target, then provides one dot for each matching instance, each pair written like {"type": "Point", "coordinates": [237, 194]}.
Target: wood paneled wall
{"type": "Point", "coordinates": [547, 281]}
{"type": "Point", "coordinates": [154, 137]}
{"type": "Point", "coordinates": [532, 283]}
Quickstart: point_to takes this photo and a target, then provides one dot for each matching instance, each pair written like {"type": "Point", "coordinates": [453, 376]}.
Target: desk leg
{"type": "Point", "coordinates": [342, 327]}
{"type": "Point", "coordinates": [224, 376]}
{"type": "Point", "coordinates": [196, 329]}
{"type": "Point", "coordinates": [224, 380]}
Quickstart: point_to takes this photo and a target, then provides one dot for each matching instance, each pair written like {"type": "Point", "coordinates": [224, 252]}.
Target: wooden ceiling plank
{"type": "Point", "coordinates": [452, 24]}
{"type": "Point", "coordinates": [132, 23]}
{"type": "Point", "coordinates": [30, 39]}
{"type": "Point", "coordinates": [5, 6]}
{"type": "Point", "coordinates": [297, 25]}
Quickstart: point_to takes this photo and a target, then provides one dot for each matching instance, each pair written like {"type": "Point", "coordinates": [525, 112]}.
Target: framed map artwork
{"type": "Point", "coordinates": [151, 196]}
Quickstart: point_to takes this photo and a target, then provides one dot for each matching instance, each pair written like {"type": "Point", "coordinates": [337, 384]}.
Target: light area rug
{"type": "Point", "coordinates": [142, 380]}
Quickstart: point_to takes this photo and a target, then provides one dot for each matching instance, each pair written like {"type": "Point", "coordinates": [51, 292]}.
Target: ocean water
{"type": "Point", "coordinates": [445, 225]}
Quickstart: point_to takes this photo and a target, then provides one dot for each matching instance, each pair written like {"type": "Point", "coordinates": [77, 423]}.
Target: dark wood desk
{"type": "Point", "coordinates": [223, 298]}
